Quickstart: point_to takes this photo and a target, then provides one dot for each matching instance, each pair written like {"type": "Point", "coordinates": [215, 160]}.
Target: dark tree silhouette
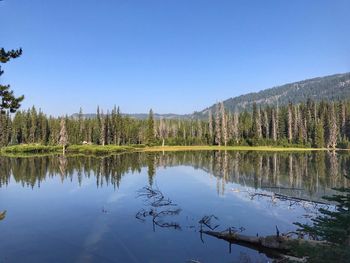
{"type": "Point", "coordinates": [332, 226]}
{"type": "Point", "coordinates": [8, 99]}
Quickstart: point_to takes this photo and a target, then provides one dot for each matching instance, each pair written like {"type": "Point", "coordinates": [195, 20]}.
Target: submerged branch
{"type": "Point", "coordinates": [3, 215]}
{"type": "Point", "coordinates": [207, 221]}
{"type": "Point", "coordinates": [160, 207]}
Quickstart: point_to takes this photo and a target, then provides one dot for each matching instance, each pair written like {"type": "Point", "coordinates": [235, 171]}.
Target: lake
{"type": "Point", "coordinates": [149, 207]}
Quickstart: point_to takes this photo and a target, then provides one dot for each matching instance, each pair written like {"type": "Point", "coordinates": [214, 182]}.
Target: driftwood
{"type": "Point", "coordinates": [276, 246]}
{"type": "Point", "coordinates": [2, 215]}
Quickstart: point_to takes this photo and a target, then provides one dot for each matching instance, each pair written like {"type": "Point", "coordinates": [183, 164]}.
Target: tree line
{"type": "Point", "coordinates": [309, 124]}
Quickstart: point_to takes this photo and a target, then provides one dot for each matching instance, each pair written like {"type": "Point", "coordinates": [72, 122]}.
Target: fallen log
{"type": "Point", "coordinates": [276, 242]}
{"type": "Point", "coordinates": [278, 247]}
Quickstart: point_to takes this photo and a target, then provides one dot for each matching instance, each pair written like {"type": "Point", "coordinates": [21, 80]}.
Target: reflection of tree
{"type": "Point", "coordinates": [310, 172]}
{"type": "Point", "coordinates": [159, 208]}
{"type": "Point", "coordinates": [333, 166]}
{"type": "Point", "coordinates": [332, 226]}
{"type": "Point", "coordinates": [62, 161]}
{"type": "Point", "coordinates": [31, 171]}
{"type": "Point", "coordinates": [150, 158]}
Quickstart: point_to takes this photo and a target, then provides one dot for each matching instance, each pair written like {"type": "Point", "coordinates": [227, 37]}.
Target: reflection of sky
{"type": "Point", "coordinates": [69, 222]}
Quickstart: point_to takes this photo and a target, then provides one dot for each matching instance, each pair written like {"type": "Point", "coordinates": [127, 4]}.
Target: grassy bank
{"type": "Point", "coordinates": [30, 149]}
{"type": "Point", "coordinates": [112, 149]}
{"type": "Point", "coordinates": [76, 149]}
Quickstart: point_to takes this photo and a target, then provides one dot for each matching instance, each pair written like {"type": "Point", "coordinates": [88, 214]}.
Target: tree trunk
{"type": "Point", "coordinates": [279, 243]}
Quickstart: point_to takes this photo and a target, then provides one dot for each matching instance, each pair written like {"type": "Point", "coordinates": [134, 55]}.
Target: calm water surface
{"type": "Point", "coordinates": [94, 209]}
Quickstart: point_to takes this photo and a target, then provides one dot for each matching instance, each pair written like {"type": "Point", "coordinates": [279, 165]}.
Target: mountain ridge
{"type": "Point", "coordinates": [141, 116]}
{"type": "Point", "coordinates": [330, 87]}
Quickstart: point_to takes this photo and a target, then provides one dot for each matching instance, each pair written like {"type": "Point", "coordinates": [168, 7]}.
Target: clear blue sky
{"type": "Point", "coordinates": [170, 55]}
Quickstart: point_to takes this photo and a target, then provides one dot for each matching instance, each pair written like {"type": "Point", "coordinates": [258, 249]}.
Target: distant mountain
{"type": "Point", "coordinates": [141, 116]}
{"type": "Point", "coordinates": [334, 87]}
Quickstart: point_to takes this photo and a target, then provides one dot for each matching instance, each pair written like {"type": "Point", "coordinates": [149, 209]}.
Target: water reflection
{"type": "Point", "coordinates": [86, 206]}
{"type": "Point", "coordinates": [309, 175]}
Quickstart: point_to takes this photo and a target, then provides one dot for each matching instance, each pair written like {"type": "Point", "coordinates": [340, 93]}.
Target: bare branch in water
{"type": "Point", "coordinates": [3, 215]}
{"type": "Point", "coordinates": [207, 221]}
{"type": "Point", "coordinates": [160, 207]}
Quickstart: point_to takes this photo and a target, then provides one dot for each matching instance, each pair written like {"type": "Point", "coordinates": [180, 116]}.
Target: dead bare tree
{"type": "Point", "coordinates": [63, 135]}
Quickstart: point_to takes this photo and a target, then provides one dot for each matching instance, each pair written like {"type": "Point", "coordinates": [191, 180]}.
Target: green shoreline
{"type": "Point", "coordinates": [113, 149]}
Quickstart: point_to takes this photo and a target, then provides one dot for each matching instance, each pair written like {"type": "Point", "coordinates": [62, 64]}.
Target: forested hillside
{"type": "Point", "coordinates": [328, 88]}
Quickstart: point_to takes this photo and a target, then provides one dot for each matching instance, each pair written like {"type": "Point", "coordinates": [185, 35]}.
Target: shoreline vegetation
{"type": "Point", "coordinates": [114, 149]}
{"type": "Point", "coordinates": [309, 125]}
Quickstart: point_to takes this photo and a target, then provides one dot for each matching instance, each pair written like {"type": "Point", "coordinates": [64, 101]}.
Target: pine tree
{"type": "Point", "coordinates": [8, 101]}
{"type": "Point", "coordinates": [114, 125]}
{"type": "Point", "coordinates": [119, 126]}
{"type": "Point", "coordinates": [150, 129]}
{"type": "Point", "coordinates": [332, 128]}
{"type": "Point", "coordinates": [296, 122]}
{"type": "Point", "coordinates": [39, 130]}
{"type": "Point", "coordinates": [33, 125]}
{"type": "Point", "coordinates": [81, 127]}
{"type": "Point", "coordinates": [44, 128]}
{"type": "Point", "coordinates": [319, 135]}
{"type": "Point", "coordinates": [102, 122]}
{"type": "Point", "coordinates": [290, 123]}
{"type": "Point", "coordinates": [5, 129]}
{"type": "Point", "coordinates": [97, 127]}
{"type": "Point", "coordinates": [16, 128]}
{"type": "Point", "coordinates": [199, 130]}
{"type": "Point", "coordinates": [277, 118]}
{"type": "Point", "coordinates": [108, 126]}
{"type": "Point", "coordinates": [342, 117]}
